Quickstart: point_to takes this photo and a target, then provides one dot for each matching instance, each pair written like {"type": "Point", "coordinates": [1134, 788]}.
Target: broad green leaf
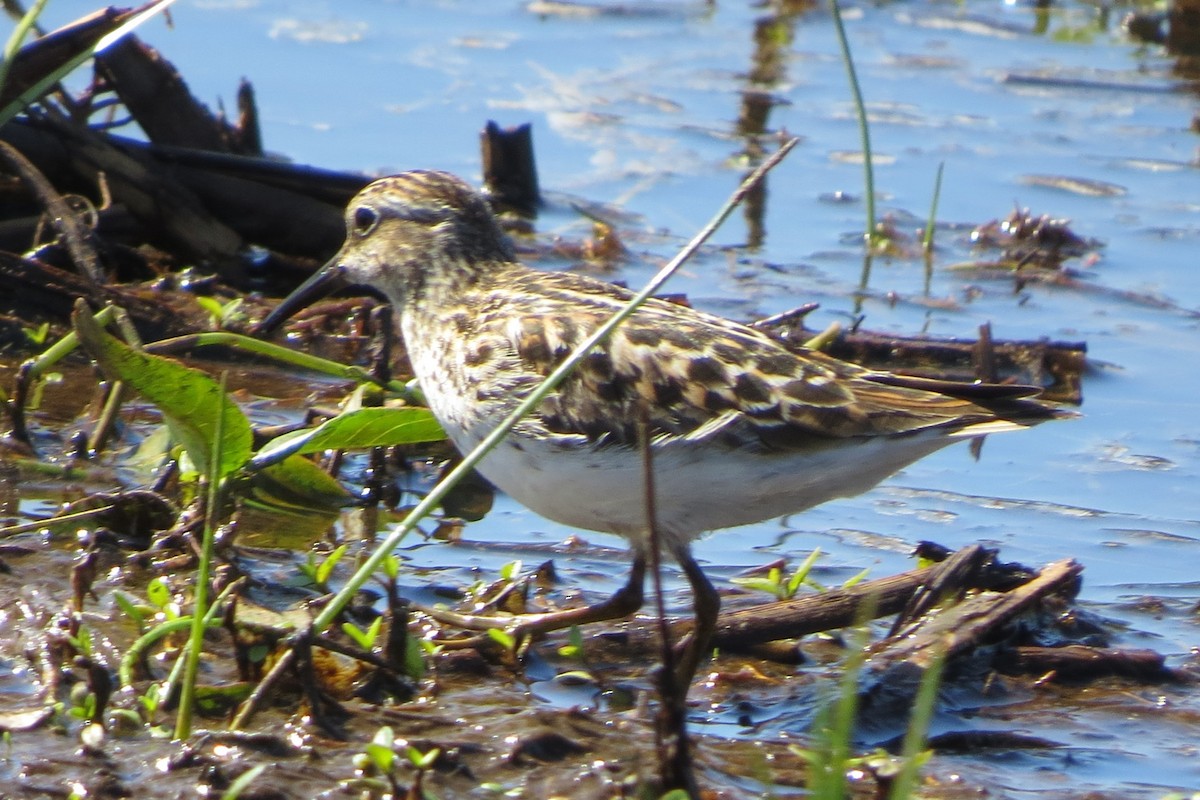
{"type": "Point", "coordinates": [356, 430]}
{"type": "Point", "coordinates": [190, 401]}
{"type": "Point", "coordinates": [297, 482]}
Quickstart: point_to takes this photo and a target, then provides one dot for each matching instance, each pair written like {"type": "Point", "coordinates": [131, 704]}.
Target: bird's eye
{"type": "Point", "coordinates": [364, 220]}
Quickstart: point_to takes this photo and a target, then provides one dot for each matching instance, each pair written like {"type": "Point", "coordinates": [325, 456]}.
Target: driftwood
{"type": "Point", "coordinates": [509, 171]}
{"type": "Point", "coordinates": [156, 96]}
{"type": "Point", "coordinates": [44, 291]}
{"type": "Point", "coordinates": [964, 627]}
{"type": "Point", "coordinates": [744, 628]}
{"type": "Point", "coordinates": [46, 54]}
{"type": "Point", "coordinates": [959, 617]}
{"type": "Point", "coordinates": [201, 212]}
{"type": "Point", "coordinates": [1056, 367]}
{"type": "Point", "coordinates": [1077, 662]}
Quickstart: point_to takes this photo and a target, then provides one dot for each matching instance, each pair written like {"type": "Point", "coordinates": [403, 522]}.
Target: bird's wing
{"type": "Point", "coordinates": [690, 374]}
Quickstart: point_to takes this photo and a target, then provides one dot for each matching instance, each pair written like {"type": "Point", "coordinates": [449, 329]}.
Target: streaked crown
{"type": "Point", "coordinates": [410, 229]}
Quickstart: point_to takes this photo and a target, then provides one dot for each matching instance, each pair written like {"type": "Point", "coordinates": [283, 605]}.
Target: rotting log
{"type": "Point", "coordinates": [205, 205]}
{"type": "Point", "coordinates": [159, 100]}
{"type": "Point", "coordinates": [509, 169]}
{"type": "Point", "coordinates": [968, 625]}
{"type": "Point", "coordinates": [1055, 366]}
{"type": "Point", "coordinates": [41, 57]}
{"type": "Point", "coordinates": [36, 290]}
{"type": "Point", "coordinates": [1082, 663]}
{"type": "Point", "coordinates": [741, 629]}
{"type": "Point", "coordinates": [77, 157]}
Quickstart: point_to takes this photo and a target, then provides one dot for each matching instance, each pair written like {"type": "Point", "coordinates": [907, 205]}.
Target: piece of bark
{"type": "Point", "coordinates": [1056, 367]}
{"type": "Point", "coordinates": [247, 132]}
{"type": "Point", "coordinates": [41, 57]}
{"type": "Point", "coordinates": [151, 193]}
{"type": "Point", "coordinates": [291, 209]}
{"type": "Point", "coordinates": [509, 170]}
{"type": "Point", "coordinates": [897, 666]}
{"type": "Point", "coordinates": [954, 575]}
{"type": "Point", "coordinates": [1183, 30]}
{"type": "Point", "coordinates": [966, 626]}
{"type": "Point", "coordinates": [1082, 663]}
{"type": "Point", "coordinates": [159, 99]}
{"type": "Point", "coordinates": [742, 629]}
{"type": "Point", "coordinates": [76, 237]}
{"type": "Point", "coordinates": [34, 290]}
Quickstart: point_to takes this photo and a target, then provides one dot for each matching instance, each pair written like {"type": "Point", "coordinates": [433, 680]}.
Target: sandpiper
{"type": "Point", "coordinates": [740, 429]}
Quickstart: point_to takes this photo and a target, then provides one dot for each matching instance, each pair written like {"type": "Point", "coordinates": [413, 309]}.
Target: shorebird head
{"type": "Point", "coordinates": [407, 235]}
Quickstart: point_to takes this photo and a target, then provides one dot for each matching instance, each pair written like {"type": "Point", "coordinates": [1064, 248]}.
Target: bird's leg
{"type": "Point", "coordinates": [706, 603]}
{"type": "Point", "coordinates": [624, 602]}
{"type": "Point", "coordinates": [674, 745]}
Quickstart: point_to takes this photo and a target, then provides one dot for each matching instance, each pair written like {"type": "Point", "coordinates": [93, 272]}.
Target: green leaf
{"type": "Point", "coordinates": [325, 568]}
{"type": "Point", "coordinates": [502, 637]}
{"type": "Point", "coordinates": [356, 430]}
{"type": "Point", "coordinates": [212, 305]}
{"type": "Point", "coordinates": [158, 593]}
{"type": "Point", "coordinates": [365, 639]}
{"type": "Point", "coordinates": [422, 760]}
{"type": "Point", "coordinates": [130, 609]}
{"type": "Point", "coordinates": [298, 483]}
{"type": "Point", "coordinates": [414, 658]}
{"type": "Point", "coordinates": [800, 576]}
{"type": "Point", "coordinates": [854, 580]}
{"type": "Point", "coordinates": [190, 401]}
{"type": "Point", "coordinates": [757, 584]}
{"type": "Point", "coordinates": [380, 749]}
{"type": "Point", "coordinates": [242, 782]}
{"type": "Point", "coordinates": [574, 646]}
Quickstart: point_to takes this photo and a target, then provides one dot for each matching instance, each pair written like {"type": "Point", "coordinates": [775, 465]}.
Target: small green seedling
{"type": "Point", "coordinates": [365, 639]}
{"type": "Point", "coordinates": [159, 595]}
{"type": "Point", "coordinates": [318, 572]}
{"type": "Point", "coordinates": [574, 647]}
{"type": "Point", "coordinates": [774, 583]}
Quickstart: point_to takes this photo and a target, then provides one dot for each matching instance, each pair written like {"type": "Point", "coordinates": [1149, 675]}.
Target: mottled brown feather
{"type": "Point", "coordinates": [680, 369]}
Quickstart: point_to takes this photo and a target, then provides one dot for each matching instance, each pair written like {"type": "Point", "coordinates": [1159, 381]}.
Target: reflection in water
{"type": "Point", "coordinates": [773, 36]}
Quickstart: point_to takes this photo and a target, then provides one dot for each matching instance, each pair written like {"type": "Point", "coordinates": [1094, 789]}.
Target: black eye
{"type": "Point", "coordinates": [364, 220]}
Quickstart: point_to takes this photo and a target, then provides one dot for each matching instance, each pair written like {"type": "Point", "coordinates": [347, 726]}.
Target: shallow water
{"type": "Point", "coordinates": [640, 111]}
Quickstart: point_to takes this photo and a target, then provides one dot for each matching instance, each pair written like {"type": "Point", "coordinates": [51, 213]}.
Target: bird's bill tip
{"type": "Point", "coordinates": [324, 281]}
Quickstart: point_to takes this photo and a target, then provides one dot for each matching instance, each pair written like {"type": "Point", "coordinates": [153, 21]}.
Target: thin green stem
{"type": "Point", "coordinates": [183, 723]}
{"type": "Point", "coordinates": [22, 29]}
{"type": "Point", "coordinates": [918, 727]}
{"type": "Point", "coordinates": [41, 86]}
{"type": "Point", "coordinates": [864, 129]}
{"type": "Point", "coordinates": [283, 355]}
{"type": "Point", "coordinates": [66, 345]}
{"type": "Point", "coordinates": [927, 239]}
{"type": "Point", "coordinates": [134, 653]}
